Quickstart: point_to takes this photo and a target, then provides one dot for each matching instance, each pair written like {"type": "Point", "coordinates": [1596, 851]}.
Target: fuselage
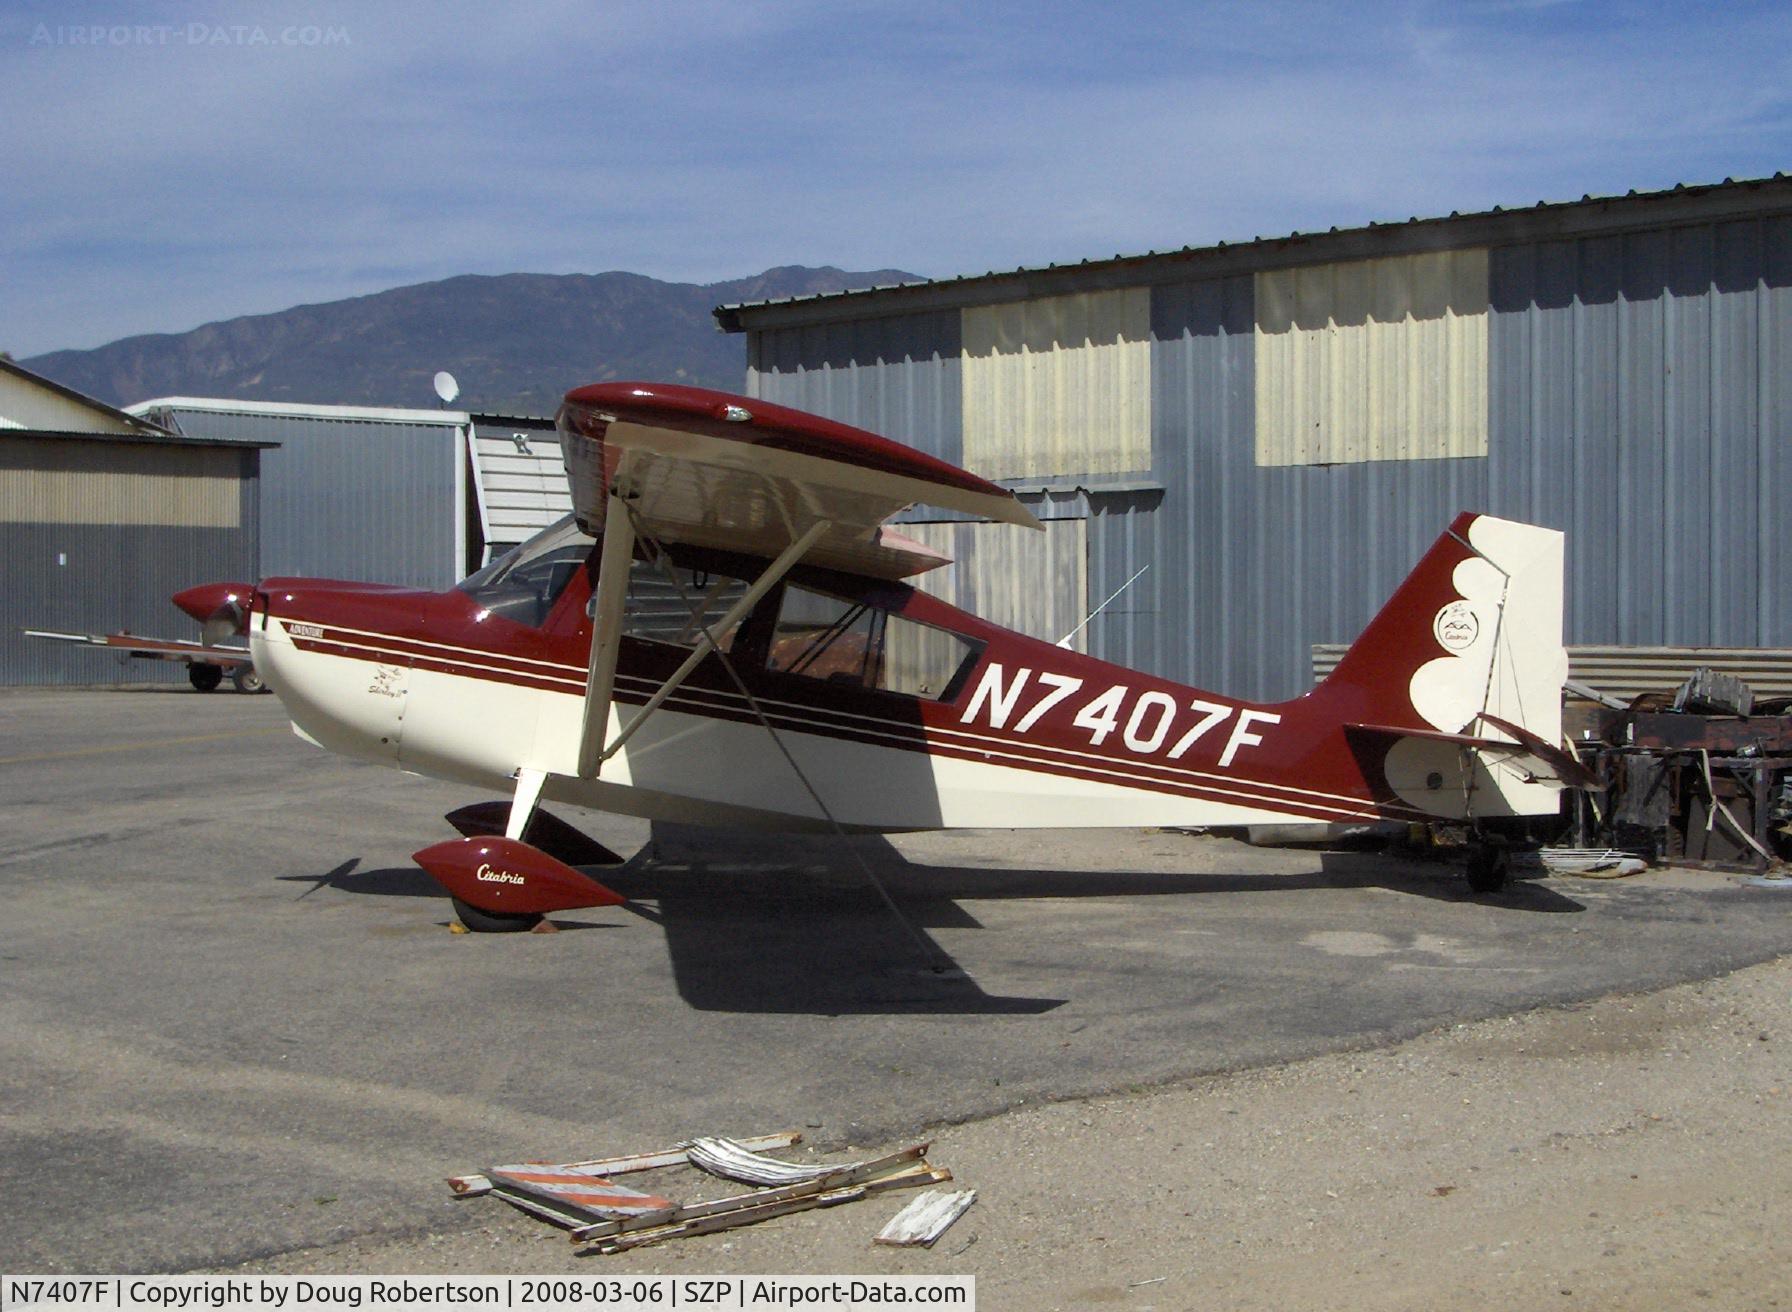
{"type": "Point", "coordinates": [899, 711]}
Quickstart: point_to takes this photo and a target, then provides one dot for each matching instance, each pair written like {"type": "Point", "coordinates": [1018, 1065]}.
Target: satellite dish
{"type": "Point", "coordinates": [446, 387]}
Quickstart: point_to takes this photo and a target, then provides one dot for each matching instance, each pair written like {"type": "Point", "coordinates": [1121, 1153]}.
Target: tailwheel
{"type": "Point", "coordinates": [204, 677]}
{"type": "Point", "coordinates": [248, 679]}
{"type": "Point", "coordinates": [494, 922]}
{"type": "Point", "coordinates": [1489, 865]}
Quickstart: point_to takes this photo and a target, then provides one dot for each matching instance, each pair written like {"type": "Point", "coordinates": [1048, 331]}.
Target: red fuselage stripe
{"type": "Point", "coordinates": [956, 744]}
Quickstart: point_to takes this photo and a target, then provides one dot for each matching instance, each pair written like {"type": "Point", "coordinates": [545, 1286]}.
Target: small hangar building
{"type": "Point", "coordinates": [419, 498]}
{"type": "Point", "coordinates": [105, 513]}
{"type": "Point", "coordinates": [103, 517]}
{"type": "Point", "coordinates": [1275, 430]}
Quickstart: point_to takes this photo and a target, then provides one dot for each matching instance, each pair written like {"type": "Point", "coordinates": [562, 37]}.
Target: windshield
{"type": "Point", "coordinates": [523, 584]}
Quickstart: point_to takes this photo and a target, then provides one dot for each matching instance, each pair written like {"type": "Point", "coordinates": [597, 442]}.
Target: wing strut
{"type": "Point", "coordinates": [773, 574]}
{"type": "Point", "coordinates": [928, 950]}
{"type": "Point", "coordinates": [608, 603]}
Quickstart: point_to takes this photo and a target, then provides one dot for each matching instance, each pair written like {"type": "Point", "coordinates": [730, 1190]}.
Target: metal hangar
{"type": "Point", "coordinates": [1274, 430]}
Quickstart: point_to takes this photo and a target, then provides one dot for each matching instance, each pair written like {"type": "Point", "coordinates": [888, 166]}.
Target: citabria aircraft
{"type": "Point", "coordinates": [722, 634]}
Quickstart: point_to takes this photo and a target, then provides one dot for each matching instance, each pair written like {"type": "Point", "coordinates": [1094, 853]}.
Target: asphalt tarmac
{"type": "Point", "coordinates": [234, 1023]}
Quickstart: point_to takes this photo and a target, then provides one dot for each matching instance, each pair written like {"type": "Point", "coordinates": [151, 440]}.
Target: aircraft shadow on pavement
{"type": "Point", "coordinates": [1434, 879]}
{"type": "Point", "coordinates": [760, 940]}
{"type": "Point", "coordinates": [770, 924]}
{"type": "Point", "coordinates": [780, 923]}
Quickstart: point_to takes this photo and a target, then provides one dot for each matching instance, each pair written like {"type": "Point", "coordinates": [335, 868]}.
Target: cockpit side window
{"type": "Point", "coordinates": [669, 603]}
{"type": "Point", "coordinates": [843, 641]}
{"type": "Point", "coordinates": [523, 584]}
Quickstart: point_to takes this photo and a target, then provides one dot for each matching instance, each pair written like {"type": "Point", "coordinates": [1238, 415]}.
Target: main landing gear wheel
{"type": "Point", "coordinates": [248, 679]}
{"type": "Point", "coordinates": [1489, 867]}
{"type": "Point", "coordinates": [204, 677]}
{"type": "Point", "coordinates": [494, 922]}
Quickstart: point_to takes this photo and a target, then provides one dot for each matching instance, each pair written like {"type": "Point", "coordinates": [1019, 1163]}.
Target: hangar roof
{"type": "Point", "coordinates": [31, 401]}
{"type": "Point", "coordinates": [1588, 216]}
{"type": "Point", "coordinates": [351, 413]}
{"type": "Point", "coordinates": [157, 437]}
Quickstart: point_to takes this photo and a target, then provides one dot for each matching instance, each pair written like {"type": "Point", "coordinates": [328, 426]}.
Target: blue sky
{"type": "Point", "coordinates": [172, 164]}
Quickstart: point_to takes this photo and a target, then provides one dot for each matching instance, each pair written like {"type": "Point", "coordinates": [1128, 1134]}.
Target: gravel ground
{"type": "Point", "coordinates": [1627, 1153]}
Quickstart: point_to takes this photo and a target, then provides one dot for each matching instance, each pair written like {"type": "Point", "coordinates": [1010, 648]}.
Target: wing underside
{"type": "Point", "coordinates": [737, 474]}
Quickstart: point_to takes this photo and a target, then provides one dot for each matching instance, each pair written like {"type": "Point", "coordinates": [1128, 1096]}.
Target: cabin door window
{"type": "Point", "coordinates": [856, 644]}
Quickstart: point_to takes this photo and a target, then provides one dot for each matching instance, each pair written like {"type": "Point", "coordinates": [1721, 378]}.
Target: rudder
{"type": "Point", "coordinates": [1468, 648]}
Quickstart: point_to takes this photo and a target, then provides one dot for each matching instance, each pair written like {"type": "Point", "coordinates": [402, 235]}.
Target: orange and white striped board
{"type": "Point", "coordinates": [574, 1190]}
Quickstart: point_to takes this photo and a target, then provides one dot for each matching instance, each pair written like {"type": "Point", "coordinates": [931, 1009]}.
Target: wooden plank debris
{"type": "Point", "coordinates": [926, 1218]}
{"type": "Point", "coordinates": [472, 1186]}
{"type": "Point", "coordinates": [543, 1210]}
{"type": "Point", "coordinates": [754, 1209]}
{"type": "Point", "coordinates": [909, 1175]}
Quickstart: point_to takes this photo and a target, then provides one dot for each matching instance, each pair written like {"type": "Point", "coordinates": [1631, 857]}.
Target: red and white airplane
{"type": "Point", "coordinates": [721, 634]}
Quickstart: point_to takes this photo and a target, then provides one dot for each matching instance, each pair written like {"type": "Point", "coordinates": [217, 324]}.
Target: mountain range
{"type": "Point", "coordinates": [515, 342]}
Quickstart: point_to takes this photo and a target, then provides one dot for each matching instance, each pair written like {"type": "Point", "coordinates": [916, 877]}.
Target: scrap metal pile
{"type": "Point", "coordinates": [605, 1217]}
{"type": "Point", "coordinates": [1702, 776]}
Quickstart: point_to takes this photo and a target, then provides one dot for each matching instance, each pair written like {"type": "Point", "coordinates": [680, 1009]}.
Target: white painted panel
{"type": "Point", "coordinates": [28, 404]}
{"type": "Point", "coordinates": [1372, 360]}
{"type": "Point", "coordinates": [1058, 386]}
{"type": "Point", "coordinates": [522, 485]}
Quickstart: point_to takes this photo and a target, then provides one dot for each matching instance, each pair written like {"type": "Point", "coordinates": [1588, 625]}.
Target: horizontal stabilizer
{"type": "Point", "coordinates": [1541, 762]}
{"type": "Point", "coordinates": [508, 878]}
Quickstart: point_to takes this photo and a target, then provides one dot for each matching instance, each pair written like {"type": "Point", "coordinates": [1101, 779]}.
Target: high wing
{"type": "Point", "coordinates": [165, 649]}
{"type": "Point", "coordinates": [688, 466]}
{"type": "Point", "coordinates": [712, 470]}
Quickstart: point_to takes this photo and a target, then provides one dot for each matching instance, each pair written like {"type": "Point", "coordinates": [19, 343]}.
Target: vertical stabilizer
{"type": "Point", "coordinates": [1471, 642]}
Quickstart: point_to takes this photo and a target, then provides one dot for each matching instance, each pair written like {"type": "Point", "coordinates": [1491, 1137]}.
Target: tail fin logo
{"type": "Point", "coordinates": [1456, 627]}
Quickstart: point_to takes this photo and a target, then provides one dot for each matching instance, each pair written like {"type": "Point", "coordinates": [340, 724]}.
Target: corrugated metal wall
{"type": "Point", "coordinates": [899, 376]}
{"type": "Point", "coordinates": [1643, 397]}
{"type": "Point", "coordinates": [1035, 583]}
{"type": "Point", "coordinates": [1639, 396]}
{"type": "Point", "coordinates": [1372, 359]}
{"type": "Point", "coordinates": [76, 482]}
{"type": "Point", "coordinates": [77, 573]}
{"type": "Point", "coordinates": [1256, 558]}
{"type": "Point", "coordinates": [346, 499]}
